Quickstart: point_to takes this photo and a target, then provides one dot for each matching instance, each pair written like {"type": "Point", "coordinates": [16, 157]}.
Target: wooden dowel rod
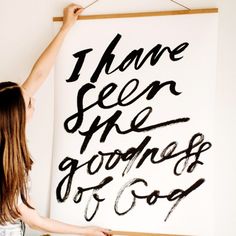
{"type": "Point", "coordinates": [140, 234]}
{"type": "Point", "coordinates": [142, 14]}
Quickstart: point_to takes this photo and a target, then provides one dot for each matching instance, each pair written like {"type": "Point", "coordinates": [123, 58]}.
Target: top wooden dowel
{"type": "Point", "coordinates": [142, 14]}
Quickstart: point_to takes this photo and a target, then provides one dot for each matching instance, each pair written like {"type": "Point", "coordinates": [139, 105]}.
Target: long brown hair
{"type": "Point", "coordinates": [15, 161]}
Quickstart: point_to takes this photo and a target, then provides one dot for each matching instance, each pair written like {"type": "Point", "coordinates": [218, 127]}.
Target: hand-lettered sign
{"type": "Point", "coordinates": [134, 124]}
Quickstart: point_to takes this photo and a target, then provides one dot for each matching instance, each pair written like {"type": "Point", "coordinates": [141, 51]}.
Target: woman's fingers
{"type": "Point", "coordinates": [97, 231]}
{"type": "Point", "coordinates": [71, 13]}
{"type": "Point", "coordinates": [74, 7]}
{"type": "Point", "coordinates": [106, 232]}
{"type": "Point", "coordinates": [78, 11]}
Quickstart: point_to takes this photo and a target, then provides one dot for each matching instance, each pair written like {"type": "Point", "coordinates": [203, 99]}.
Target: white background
{"type": "Point", "coordinates": [26, 29]}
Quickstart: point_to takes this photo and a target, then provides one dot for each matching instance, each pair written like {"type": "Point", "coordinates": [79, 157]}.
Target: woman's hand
{"type": "Point", "coordinates": [70, 15]}
{"type": "Point", "coordinates": [96, 231]}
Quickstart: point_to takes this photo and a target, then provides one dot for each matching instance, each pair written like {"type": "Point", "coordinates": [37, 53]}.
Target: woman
{"type": "Point", "coordinates": [16, 107]}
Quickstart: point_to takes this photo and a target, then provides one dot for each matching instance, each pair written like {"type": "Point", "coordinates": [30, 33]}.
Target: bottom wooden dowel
{"type": "Point", "coordinates": [127, 233]}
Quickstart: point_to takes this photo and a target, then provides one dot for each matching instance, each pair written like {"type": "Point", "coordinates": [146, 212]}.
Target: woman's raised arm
{"type": "Point", "coordinates": [43, 65]}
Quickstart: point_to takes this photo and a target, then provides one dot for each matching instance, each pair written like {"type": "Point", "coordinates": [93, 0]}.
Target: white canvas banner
{"type": "Point", "coordinates": [134, 124]}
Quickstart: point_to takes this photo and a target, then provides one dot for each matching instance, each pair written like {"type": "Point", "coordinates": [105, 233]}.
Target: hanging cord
{"type": "Point", "coordinates": [180, 4]}
{"type": "Point", "coordinates": [89, 5]}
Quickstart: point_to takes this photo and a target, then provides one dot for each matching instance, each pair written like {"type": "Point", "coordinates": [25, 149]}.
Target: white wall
{"type": "Point", "coordinates": [25, 30]}
{"type": "Point", "coordinates": [226, 120]}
